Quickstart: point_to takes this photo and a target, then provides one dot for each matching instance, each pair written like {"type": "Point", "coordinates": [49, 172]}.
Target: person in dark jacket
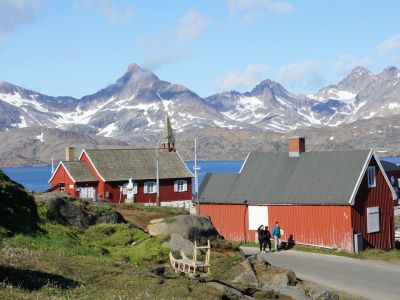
{"type": "Point", "coordinates": [267, 238]}
{"type": "Point", "coordinates": [261, 238]}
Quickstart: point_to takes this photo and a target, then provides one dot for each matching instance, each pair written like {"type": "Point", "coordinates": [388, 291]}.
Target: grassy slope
{"type": "Point", "coordinates": [43, 259]}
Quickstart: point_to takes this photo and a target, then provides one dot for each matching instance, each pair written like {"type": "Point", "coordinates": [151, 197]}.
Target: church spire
{"type": "Point", "coordinates": [169, 138]}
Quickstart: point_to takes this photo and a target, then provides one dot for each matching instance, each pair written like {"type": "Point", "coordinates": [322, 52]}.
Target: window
{"type": "Point", "coordinates": [371, 177]}
{"type": "Point", "coordinates": [150, 187]}
{"type": "Point", "coordinates": [373, 219]}
{"type": "Point", "coordinates": [180, 186]}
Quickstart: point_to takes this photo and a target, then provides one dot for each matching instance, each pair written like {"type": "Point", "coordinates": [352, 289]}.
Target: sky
{"type": "Point", "coordinates": [77, 47]}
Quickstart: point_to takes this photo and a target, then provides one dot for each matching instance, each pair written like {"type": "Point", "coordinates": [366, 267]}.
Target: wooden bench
{"type": "Point", "coordinates": [190, 266]}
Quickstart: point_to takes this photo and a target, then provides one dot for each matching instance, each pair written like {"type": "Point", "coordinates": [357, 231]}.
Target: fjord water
{"type": "Point", "coordinates": [36, 178]}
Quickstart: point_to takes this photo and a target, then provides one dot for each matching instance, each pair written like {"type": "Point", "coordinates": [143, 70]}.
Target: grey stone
{"type": "Point", "coordinates": [226, 291]}
{"type": "Point", "coordinates": [247, 277]}
{"type": "Point", "coordinates": [189, 226]}
{"type": "Point", "coordinates": [179, 243]}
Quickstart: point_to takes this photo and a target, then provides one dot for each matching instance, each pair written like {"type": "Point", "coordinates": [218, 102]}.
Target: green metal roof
{"type": "Point", "coordinates": [140, 164]}
{"type": "Point", "coordinates": [275, 178]}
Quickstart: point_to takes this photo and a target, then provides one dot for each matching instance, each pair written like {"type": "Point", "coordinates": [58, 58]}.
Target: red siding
{"type": "Point", "coordinates": [100, 188]}
{"type": "Point", "coordinates": [318, 225]}
{"type": "Point", "coordinates": [371, 197]}
{"type": "Point", "coordinates": [230, 220]}
{"type": "Point", "coordinates": [167, 192]}
{"type": "Point", "coordinates": [61, 176]}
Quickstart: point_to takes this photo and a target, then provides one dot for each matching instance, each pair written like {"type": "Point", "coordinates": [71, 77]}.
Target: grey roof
{"type": "Point", "coordinates": [122, 164]}
{"type": "Point", "coordinates": [79, 170]}
{"type": "Point", "coordinates": [275, 178]}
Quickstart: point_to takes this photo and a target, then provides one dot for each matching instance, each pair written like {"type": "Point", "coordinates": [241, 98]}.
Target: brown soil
{"type": "Point", "coordinates": [141, 216]}
{"type": "Point", "coordinates": [138, 217]}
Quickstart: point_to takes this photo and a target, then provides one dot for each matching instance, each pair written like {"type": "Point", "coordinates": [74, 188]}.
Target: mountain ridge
{"type": "Point", "coordinates": [133, 107]}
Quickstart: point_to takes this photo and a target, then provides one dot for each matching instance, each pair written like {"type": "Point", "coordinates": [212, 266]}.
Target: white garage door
{"type": "Point", "coordinates": [258, 215]}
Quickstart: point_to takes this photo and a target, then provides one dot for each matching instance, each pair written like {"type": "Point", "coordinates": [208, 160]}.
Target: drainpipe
{"type": "Point", "coordinates": [244, 220]}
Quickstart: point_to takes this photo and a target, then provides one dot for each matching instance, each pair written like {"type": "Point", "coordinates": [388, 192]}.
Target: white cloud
{"type": "Point", "coordinates": [305, 75]}
{"type": "Point", "coordinates": [391, 44]}
{"type": "Point", "coordinates": [252, 10]}
{"type": "Point", "coordinates": [190, 26]}
{"type": "Point", "coordinates": [14, 13]}
{"type": "Point", "coordinates": [347, 62]}
{"type": "Point", "coordinates": [237, 79]}
{"type": "Point", "coordinates": [109, 10]}
{"type": "Point", "coordinates": [174, 45]}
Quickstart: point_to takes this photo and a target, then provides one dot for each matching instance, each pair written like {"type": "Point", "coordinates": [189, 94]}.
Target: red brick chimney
{"type": "Point", "coordinates": [296, 145]}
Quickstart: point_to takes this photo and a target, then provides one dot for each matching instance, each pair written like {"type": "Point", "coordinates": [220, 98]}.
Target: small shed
{"type": "Point", "coordinates": [319, 198]}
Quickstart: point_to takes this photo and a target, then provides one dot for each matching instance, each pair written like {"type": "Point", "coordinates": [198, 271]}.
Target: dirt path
{"type": "Point", "coordinates": [141, 216]}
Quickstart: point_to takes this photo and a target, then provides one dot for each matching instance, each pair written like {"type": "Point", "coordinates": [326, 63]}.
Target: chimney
{"type": "Point", "coordinates": [69, 153]}
{"type": "Point", "coordinates": [296, 145]}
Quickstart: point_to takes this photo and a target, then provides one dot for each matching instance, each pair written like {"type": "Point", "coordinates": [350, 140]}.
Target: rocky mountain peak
{"type": "Point", "coordinates": [390, 72]}
{"type": "Point", "coordinates": [270, 86]}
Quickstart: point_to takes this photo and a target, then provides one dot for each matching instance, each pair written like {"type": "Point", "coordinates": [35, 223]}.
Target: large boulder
{"type": "Point", "coordinates": [179, 243]}
{"type": "Point", "coordinates": [68, 211]}
{"type": "Point", "coordinates": [189, 226]}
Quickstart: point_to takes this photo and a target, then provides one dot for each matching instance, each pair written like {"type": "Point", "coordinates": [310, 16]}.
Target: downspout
{"type": "Point", "coordinates": [244, 220]}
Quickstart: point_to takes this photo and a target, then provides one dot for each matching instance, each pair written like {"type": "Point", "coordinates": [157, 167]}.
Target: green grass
{"type": "Point", "coordinates": [170, 211]}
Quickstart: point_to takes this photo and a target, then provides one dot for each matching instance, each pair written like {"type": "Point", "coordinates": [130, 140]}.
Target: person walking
{"type": "Point", "coordinates": [267, 238]}
{"type": "Point", "coordinates": [276, 233]}
{"type": "Point", "coordinates": [261, 238]}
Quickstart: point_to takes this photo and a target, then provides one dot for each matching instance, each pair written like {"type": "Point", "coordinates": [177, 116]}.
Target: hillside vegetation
{"type": "Point", "coordinates": [42, 256]}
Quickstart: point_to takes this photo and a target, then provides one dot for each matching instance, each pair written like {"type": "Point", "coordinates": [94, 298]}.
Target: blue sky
{"type": "Point", "coordinates": [76, 47]}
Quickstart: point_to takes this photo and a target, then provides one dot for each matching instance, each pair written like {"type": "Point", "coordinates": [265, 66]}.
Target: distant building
{"type": "Point", "coordinates": [393, 173]}
{"type": "Point", "coordinates": [319, 198]}
{"type": "Point", "coordinates": [104, 174]}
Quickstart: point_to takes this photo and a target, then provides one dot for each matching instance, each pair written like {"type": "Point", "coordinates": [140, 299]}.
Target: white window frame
{"type": "Point", "coordinates": [150, 187]}
{"type": "Point", "coordinates": [371, 176]}
{"type": "Point", "coordinates": [373, 219]}
{"type": "Point", "coordinates": [180, 186]}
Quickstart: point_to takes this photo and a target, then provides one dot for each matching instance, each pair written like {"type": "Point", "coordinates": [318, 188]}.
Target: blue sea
{"type": "Point", "coordinates": [36, 178]}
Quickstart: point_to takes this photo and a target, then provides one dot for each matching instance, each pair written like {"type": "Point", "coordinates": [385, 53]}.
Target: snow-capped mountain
{"type": "Point", "coordinates": [134, 106]}
{"type": "Point", "coordinates": [268, 106]}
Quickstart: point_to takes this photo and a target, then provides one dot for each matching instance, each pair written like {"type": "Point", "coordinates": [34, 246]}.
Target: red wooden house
{"type": "Point", "coordinates": [319, 198]}
{"type": "Point", "coordinates": [104, 174]}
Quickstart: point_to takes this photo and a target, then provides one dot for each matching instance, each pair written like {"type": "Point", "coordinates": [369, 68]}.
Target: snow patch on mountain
{"type": "Point", "coordinates": [108, 130]}
{"type": "Point", "coordinates": [393, 105]}
{"type": "Point", "coordinates": [40, 137]}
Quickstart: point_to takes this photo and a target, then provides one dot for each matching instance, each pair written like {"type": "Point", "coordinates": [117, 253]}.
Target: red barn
{"type": "Point", "coordinates": [319, 198]}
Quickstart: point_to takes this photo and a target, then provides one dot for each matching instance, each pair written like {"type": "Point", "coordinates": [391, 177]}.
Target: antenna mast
{"type": "Point", "coordinates": [196, 169]}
